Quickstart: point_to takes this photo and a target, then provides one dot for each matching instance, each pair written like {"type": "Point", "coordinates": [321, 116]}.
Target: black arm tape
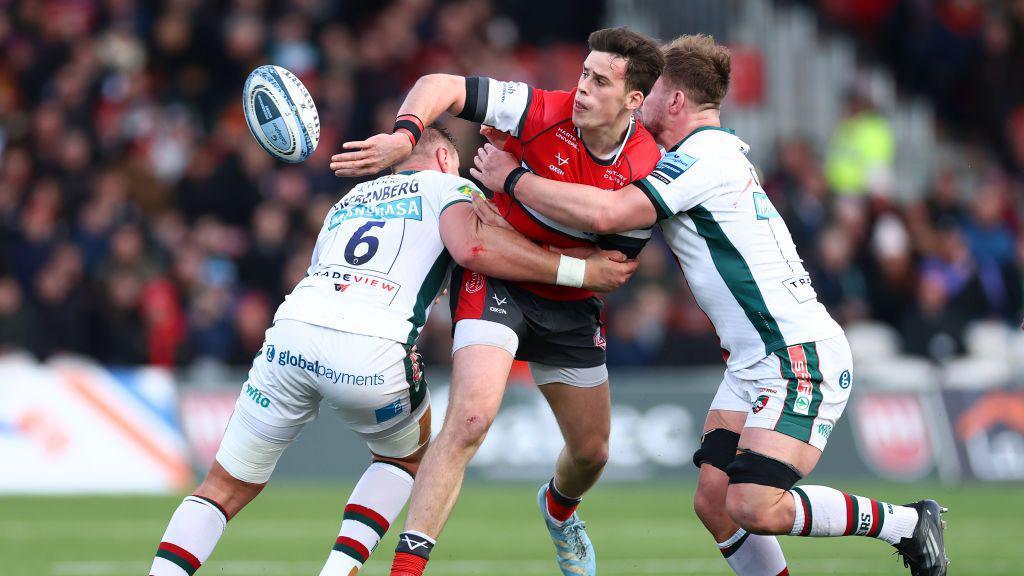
{"type": "Point", "coordinates": [753, 468]}
{"type": "Point", "coordinates": [475, 108]}
{"type": "Point", "coordinates": [411, 126]}
{"type": "Point", "coordinates": [717, 448]}
{"type": "Point", "coordinates": [512, 179]}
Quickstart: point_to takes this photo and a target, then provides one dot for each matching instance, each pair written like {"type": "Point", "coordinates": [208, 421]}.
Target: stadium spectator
{"type": "Point", "coordinates": [140, 223]}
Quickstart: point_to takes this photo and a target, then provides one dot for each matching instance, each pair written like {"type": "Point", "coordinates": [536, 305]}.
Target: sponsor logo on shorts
{"type": "Point", "coordinates": [760, 403]}
{"type": "Point", "coordinates": [256, 396]}
{"type": "Point", "coordinates": [474, 284]}
{"type": "Point", "coordinates": [498, 302]}
{"type": "Point", "coordinates": [388, 412]}
{"type": "Point", "coordinates": [845, 380]}
{"type": "Point", "coordinates": [802, 403]}
{"type": "Point", "coordinates": [825, 430]}
{"type": "Point", "coordinates": [286, 358]}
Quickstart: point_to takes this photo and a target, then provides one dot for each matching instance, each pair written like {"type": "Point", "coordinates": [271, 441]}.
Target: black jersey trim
{"type": "Point", "coordinates": [475, 108]}
{"type": "Point", "coordinates": [654, 197]}
{"type": "Point", "coordinates": [628, 245]}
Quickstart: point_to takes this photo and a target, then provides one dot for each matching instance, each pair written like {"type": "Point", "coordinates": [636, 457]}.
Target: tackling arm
{"type": "Point", "coordinates": [504, 253]}
{"type": "Point", "coordinates": [431, 96]}
{"type": "Point", "coordinates": [583, 207]}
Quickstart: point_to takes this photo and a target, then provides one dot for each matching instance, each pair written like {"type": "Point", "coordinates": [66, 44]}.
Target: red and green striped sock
{"type": "Point", "coordinates": [375, 502]}
{"type": "Point", "coordinates": [824, 511]}
{"type": "Point", "coordinates": [193, 532]}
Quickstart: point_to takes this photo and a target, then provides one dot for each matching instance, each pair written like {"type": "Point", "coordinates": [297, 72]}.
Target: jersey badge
{"type": "Point", "coordinates": [672, 165]}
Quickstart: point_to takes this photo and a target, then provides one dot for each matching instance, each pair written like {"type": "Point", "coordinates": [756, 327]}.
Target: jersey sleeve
{"type": "Point", "coordinates": [504, 105]}
{"type": "Point", "coordinates": [675, 185]}
{"type": "Point", "coordinates": [456, 190]}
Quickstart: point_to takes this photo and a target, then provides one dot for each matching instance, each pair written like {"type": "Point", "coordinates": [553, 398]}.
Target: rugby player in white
{"type": "Point", "coordinates": [789, 369]}
{"type": "Point", "coordinates": [346, 335]}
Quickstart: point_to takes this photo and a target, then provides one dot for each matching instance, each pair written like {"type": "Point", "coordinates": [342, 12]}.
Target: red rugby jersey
{"type": "Point", "coordinates": [545, 140]}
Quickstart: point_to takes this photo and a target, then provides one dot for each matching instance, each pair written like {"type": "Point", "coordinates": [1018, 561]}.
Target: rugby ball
{"type": "Point", "coordinates": [281, 114]}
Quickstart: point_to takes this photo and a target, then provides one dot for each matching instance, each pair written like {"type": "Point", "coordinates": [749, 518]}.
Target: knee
{"type": "Point", "coordinates": [590, 456]}
{"type": "Point", "coordinates": [756, 510]}
{"type": "Point", "coordinates": [467, 430]}
{"type": "Point", "coordinates": [706, 505]}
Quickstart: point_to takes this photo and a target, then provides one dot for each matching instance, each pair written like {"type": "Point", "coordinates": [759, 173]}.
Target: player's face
{"type": "Point", "coordinates": [653, 111]}
{"type": "Point", "coordinates": [601, 95]}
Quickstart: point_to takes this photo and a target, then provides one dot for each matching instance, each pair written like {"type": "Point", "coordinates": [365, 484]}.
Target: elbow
{"type": "Point", "coordinates": [469, 256]}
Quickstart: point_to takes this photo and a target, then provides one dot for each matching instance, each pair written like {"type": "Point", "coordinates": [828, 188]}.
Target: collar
{"type": "Point", "coordinates": [701, 129]}
{"type": "Point", "coordinates": [622, 146]}
{"type": "Point", "coordinates": [407, 172]}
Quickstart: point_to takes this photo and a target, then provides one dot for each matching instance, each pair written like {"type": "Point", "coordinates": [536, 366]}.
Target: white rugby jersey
{"type": "Point", "coordinates": [734, 248]}
{"type": "Point", "coordinates": [379, 262]}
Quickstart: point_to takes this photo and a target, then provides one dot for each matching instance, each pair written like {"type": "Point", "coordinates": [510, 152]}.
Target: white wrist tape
{"type": "Point", "coordinates": [571, 271]}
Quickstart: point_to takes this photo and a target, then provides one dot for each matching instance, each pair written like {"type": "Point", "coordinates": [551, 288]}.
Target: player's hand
{"type": "Point", "coordinates": [488, 213]}
{"type": "Point", "coordinates": [607, 270]}
{"type": "Point", "coordinates": [365, 157]}
{"type": "Point", "coordinates": [492, 166]}
{"type": "Point", "coordinates": [496, 137]}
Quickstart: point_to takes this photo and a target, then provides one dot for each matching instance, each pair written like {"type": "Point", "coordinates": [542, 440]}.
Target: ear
{"type": "Point", "coordinates": [677, 102]}
{"type": "Point", "coordinates": [441, 155]}
{"type": "Point", "coordinates": [634, 100]}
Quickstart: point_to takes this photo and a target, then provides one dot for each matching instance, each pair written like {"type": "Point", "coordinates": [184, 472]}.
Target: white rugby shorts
{"type": "Point", "coordinates": [800, 391]}
{"type": "Point", "coordinates": [374, 385]}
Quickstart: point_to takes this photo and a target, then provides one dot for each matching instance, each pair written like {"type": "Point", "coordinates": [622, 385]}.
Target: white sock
{"type": "Point", "coordinates": [754, 555]}
{"type": "Point", "coordinates": [835, 513]}
{"type": "Point", "coordinates": [375, 502]}
{"type": "Point", "coordinates": [191, 535]}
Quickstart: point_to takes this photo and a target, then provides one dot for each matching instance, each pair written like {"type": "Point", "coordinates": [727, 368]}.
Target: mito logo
{"type": "Point", "coordinates": [254, 393]}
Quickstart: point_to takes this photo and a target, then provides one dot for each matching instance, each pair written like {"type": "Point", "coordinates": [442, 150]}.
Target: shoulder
{"type": "Point", "coordinates": [642, 151]}
{"type": "Point", "coordinates": [551, 106]}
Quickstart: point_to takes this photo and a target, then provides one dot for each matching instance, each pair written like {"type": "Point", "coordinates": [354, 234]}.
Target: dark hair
{"type": "Point", "coordinates": [644, 60]}
{"type": "Point", "coordinates": [700, 68]}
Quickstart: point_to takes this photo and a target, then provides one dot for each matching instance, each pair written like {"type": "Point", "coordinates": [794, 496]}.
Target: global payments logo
{"type": "Point", "coordinates": [313, 366]}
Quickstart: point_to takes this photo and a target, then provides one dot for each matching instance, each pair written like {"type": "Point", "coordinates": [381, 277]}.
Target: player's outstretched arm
{"type": "Point", "coordinates": [583, 207]}
{"type": "Point", "coordinates": [431, 96]}
{"type": "Point", "coordinates": [502, 252]}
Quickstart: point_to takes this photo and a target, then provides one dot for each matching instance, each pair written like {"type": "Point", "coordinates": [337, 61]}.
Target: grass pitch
{"type": "Point", "coordinates": [496, 531]}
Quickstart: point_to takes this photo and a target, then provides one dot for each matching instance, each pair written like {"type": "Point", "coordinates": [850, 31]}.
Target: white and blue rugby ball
{"type": "Point", "coordinates": [281, 114]}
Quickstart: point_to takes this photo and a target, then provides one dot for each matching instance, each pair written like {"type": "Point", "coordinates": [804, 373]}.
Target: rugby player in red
{"type": "Point", "coordinates": [589, 135]}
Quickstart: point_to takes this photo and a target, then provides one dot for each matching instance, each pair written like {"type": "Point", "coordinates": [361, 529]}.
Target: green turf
{"type": "Point", "coordinates": [637, 529]}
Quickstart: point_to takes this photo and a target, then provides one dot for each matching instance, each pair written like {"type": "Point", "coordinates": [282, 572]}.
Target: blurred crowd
{"type": "Point", "coordinates": [964, 55]}
{"type": "Point", "coordinates": [141, 224]}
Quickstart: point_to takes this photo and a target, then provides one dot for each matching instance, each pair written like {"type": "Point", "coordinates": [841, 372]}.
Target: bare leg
{"type": "Point", "coordinates": [479, 374]}
{"type": "Point", "coordinates": [584, 416]}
